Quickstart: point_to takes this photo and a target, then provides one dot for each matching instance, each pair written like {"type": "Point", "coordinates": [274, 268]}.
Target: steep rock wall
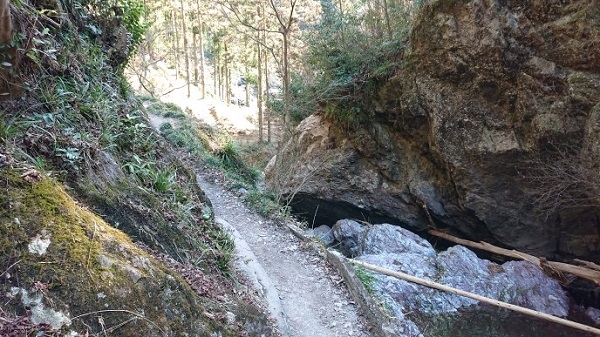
{"type": "Point", "coordinates": [489, 90]}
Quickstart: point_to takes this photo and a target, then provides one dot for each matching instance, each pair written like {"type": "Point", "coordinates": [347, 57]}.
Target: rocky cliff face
{"type": "Point", "coordinates": [490, 128]}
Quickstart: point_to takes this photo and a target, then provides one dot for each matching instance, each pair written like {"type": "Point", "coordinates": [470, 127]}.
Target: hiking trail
{"type": "Point", "coordinates": [305, 295]}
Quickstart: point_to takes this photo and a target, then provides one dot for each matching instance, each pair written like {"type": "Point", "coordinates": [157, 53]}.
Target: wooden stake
{"type": "Point", "coordinates": [479, 298]}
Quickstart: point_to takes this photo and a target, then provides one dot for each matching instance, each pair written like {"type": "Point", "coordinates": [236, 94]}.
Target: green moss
{"type": "Point", "coordinates": [67, 127]}
{"type": "Point", "coordinates": [38, 209]}
{"type": "Point", "coordinates": [90, 269]}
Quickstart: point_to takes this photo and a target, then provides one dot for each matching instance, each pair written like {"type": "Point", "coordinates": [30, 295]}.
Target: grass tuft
{"type": "Point", "coordinates": [366, 278]}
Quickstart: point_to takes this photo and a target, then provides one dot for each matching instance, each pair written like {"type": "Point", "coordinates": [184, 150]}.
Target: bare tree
{"type": "Point", "coordinates": [267, 113]}
{"type": "Point", "coordinates": [284, 17]}
{"type": "Point", "coordinates": [260, 79]}
{"type": "Point", "coordinates": [201, 42]}
{"type": "Point", "coordinates": [386, 14]}
{"type": "Point", "coordinates": [566, 178]}
{"type": "Point", "coordinates": [176, 42]}
{"type": "Point", "coordinates": [227, 69]}
{"type": "Point", "coordinates": [285, 21]}
{"type": "Point", "coordinates": [185, 49]}
{"type": "Point", "coordinates": [195, 32]}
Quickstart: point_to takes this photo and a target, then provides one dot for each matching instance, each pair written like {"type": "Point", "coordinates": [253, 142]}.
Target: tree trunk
{"type": "Point", "coordinates": [286, 79]}
{"type": "Point", "coordinates": [222, 80]}
{"type": "Point", "coordinates": [386, 12]}
{"type": "Point", "coordinates": [246, 71]}
{"type": "Point", "coordinates": [201, 32]}
{"type": "Point", "coordinates": [185, 50]}
{"type": "Point", "coordinates": [260, 87]}
{"type": "Point", "coordinates": [228, 83]}
{"type": "Point", "coordinates": [227, 73]}
{"type": "Point", "coordinates": [217, 75]}
{"type": "Point", "coordinates": [202, 69]}
{"type": "Point", "coordinates": [195, 53]}
{"type": "Point", "coordinates": [176, 51]}
{"type": "Point", "coordinates": [215, 70]}
{"type": "Point", "coordinates": [267, 112]}
{"type": "Point", "coordinates": [285, 28]}
{"type": "Point", "coordinates": [342, 22]}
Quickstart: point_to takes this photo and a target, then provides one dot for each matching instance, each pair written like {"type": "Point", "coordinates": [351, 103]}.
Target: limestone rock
{"type": "Point", "coordinates": [325, 234]}
{"type": "Point", "coordinates": [386, 238]}
{"type": "Point", "coordinates": [517, 282]}
{"type": "Point", "coordinates": [487, 87]}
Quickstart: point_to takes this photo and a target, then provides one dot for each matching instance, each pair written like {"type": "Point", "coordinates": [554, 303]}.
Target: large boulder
{"type": "Point", "coordinates": [425, 311]}
{"type": "Point", "coordinates": [480, 131]}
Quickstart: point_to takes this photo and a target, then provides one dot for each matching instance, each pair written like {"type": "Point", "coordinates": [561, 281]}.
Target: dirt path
{"type": "Point", "coordinates": [306, 296]}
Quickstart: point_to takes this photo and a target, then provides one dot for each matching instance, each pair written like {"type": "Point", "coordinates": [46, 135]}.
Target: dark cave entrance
{"type": "Point", "coordinates": [316, 212]}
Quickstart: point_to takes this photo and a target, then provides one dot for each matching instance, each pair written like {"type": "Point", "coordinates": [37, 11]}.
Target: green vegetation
{"type": "Point", "coordinates": [76, 143]}
{"type": "Point", "coordinates": [350, 54]}
{"type": "Point", "coordinates": [233, 163]}
{"type": "Point", "coordinates": [79, 123]}
{"type": "Point", "coordinates": [85, 257]}
{"type": "Point", "coordinates": [163, 109]}
{"type": "Point", "coordinates": [264, 202]}
{"type": "Point", "coordinates": [366, 278]}
{"type": "Point", "coordinates": [239, 164]}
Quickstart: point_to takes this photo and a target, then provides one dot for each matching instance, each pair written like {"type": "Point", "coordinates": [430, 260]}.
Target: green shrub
{"type": "Point", "coordinates": [165, 126]}
{"type": "Point", "coordinates": [7, 130]}
{"type": "Point", "coordinates": [229, 156]}
{"type": "Point", "coordinates": [232, 162]}
{"type": "Point", "coordinates": [348, 56]}
{"type": "Point", "coordinates": [263, 202]}
{"type": "Point", "coordinates": [185, 138]}
{"type": "Point", "coordinates": [140, 169]}
{"type": "Point", "coordinates": [164, 180]}
{"type": "Point", "coordinates": [160, 108]}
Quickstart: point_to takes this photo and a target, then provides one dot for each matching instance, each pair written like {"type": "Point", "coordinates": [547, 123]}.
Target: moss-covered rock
{"type": "Point", "coordinates": [67, 267]}
{"type": "Point", "coordinates": [74, 263]}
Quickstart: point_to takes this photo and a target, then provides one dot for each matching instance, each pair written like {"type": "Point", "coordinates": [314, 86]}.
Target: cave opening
{"type": "Point", "coordinates": [316, 212]}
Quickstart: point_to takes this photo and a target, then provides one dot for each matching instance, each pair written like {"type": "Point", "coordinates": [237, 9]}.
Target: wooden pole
{"type": "Point", "coordinates": [588, 264]}
{"type": "Point", "coordinates": [479, 298]}
{"type": "Point", "coordinates": [579, 271]}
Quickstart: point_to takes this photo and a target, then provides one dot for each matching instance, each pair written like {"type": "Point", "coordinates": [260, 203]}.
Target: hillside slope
{"type": "Point", "coordinates": [104, 229]}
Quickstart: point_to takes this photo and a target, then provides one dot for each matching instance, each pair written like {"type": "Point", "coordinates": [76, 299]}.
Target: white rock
{"type": "Point", "coordinates": [39, 244]}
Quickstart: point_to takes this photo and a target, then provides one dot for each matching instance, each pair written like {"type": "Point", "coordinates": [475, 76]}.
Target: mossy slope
{"type": "Point", "coordinates": [77, 121]}
{"type": "Point", "coordinates": [90, 271]}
